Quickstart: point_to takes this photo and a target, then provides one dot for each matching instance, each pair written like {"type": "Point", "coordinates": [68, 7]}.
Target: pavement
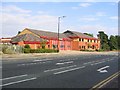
{"type": "Point", "coordinates": [86, 70]}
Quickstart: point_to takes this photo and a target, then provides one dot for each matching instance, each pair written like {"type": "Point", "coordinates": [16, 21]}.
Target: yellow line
{"type": "Point", "coordinates": [104, 82]}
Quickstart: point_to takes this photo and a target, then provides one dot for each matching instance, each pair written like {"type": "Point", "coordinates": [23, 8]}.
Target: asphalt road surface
{"type": "Point", "coordinates": [76, 71]}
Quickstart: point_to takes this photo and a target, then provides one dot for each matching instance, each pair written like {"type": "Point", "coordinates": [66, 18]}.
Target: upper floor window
{"type": "Point", "coordinates": [82, 39]}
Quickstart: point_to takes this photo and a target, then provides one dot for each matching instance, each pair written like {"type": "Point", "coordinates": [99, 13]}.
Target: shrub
{"type": "Point", "coordinates": [4, 47]}
{"type": "Point", "coordinates": [26, 50]}
{"type": "Point", "coordinates": [26, 46]}
{"type": "Point", "coordinates": [40, 51]}
{"type": "Point", "coordinates": [9, 51]}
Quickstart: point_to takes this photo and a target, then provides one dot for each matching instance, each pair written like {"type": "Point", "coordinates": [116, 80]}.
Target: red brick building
{"type": "Point", "coordinates": [5, 40]}
{"type": "Point", "coordinates": [69, 40]}
{"type": "Point", "coordinates": [35, 38]}
{"type": "Point", "coordinates": [81, 41]}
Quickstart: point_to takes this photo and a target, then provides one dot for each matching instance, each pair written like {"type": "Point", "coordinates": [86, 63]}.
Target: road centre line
{"type": "Point", "coordinates": [60, 68]}
{"type": "Point", "coordinates": [19, 81]}
{"type": "Point", "coordinates": [69, 70]}
{"type": "Point", "coordinates": [14, 77]}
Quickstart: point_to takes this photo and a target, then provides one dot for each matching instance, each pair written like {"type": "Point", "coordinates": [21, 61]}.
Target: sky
{"type": "Point", "coordinates": [85, 17]}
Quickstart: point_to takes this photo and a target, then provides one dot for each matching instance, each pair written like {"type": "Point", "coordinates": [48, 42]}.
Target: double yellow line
{"type": "Point", "coordinates": [104, 82]}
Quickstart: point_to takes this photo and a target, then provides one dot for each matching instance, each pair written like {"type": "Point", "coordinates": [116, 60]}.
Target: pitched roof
{"type": "Point", "coordinates": [26, 37]}
{"type": "Point", "coordinates": [48, 34]}
{"type": "Point", "coordinates": [77, 34]}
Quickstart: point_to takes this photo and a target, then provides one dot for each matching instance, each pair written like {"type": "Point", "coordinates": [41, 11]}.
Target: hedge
{"type": "Point", "coordinates": [27, 50]}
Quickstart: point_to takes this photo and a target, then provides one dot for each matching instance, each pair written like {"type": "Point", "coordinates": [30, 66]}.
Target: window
{"type": "Point", "coordinates": [48, 46]}
{"type": "Point", "coordinates": [55, 46]}
{"type": "Point", "coordinates": [90, 40]}
{"type": "Point", "coordinates": [62, 46]}
{"type": "Point", "coordinates": [80, 47]}
{"type": "Point", "coordinates": [88, 46]}
{"type": "Point", "coordinates": [82, 39]}
{"type": "Point", "coordinates": [94, 40]}
{"type": "Point", "coordinates": [79, 39]}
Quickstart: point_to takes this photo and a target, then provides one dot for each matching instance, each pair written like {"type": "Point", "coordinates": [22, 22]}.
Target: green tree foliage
{"type": "Point", "coordinates": [104, 40]}
{"type": "Point", "coordinates": [27, 46]}
{"type": "Point", "coordinates": [89, 34]}
{"type": "Point", "coordinates": [113, 43]}
{"type": "Point", "coordinates": [118, 41]}
{"type": "Point", "coordinates": [19, 32]}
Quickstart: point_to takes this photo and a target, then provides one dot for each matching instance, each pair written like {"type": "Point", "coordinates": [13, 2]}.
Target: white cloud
{"type": "Point", "coordinates": [100, 14]}
{"type": "Point", "coordinates": [12, 22]}
{"type": "Point", "coordinates": [14, 9]}
{"type": "Point", "coordinates": [84, 4]}
{"type": "Point", "coordinates": [88, 19]}
{"type": "Point", "coordinates": [94, 29]}
{"type": "Point", "coordinates": [114, 17]}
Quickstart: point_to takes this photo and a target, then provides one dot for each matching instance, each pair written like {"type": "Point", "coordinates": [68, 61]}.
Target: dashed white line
{"type": "Point", "coordinates": [60, 68]}
{"type": "Point", "coordinates": [64, 63]}
{"type": "Point", "coordinates": [41, 60]}
{"type": "Point", "coordinates": [14, 77]}
{"type": "Point", "coordinates": [69, 70]}
{"type": "Point", "coordinates": [18, 81]}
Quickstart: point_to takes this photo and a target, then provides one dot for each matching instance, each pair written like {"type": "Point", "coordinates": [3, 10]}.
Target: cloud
{"type": "Point", "coordinates": [84, 4]}
{"type": "Point", "coordinates": [14, 9]}
{"type": "Point", "coordinates": [100, 14]}
{"type": "Point", "coordinates": [94, 29]}
{"type": "Point", "coordinates": [114, 17]}
{"type": "Point", "coordinates": [21, 18]}
{"type": "Point", "coordinates": [88, 19]}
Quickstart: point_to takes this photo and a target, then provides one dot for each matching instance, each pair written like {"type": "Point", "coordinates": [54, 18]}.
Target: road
{"type": "Point", "coordinates": [75, 71]}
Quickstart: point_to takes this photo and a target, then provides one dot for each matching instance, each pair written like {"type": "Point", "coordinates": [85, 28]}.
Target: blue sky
{"type": "Point", "coordinates": [89, 17]}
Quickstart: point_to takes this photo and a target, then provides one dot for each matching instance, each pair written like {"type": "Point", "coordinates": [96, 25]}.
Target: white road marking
{"type": "Point", "coordinates": [64, 63]}
{"type": "Point", "coordinates": [41, 60]}
{"type": "Point", "coordinates": [59, 63]}
{"type": "Point", "coordinates": [27, 64]}
{"type": "Point", "coordinates": [18, 81]}
{"type": "Point", "coordinates": [14, 77]}
{"type": "Point", "coordinates": [102, 70]}
{"type": "Point", "coordinates": [60, 68]}
{"type": "Point", "coordinates": [69, 70]}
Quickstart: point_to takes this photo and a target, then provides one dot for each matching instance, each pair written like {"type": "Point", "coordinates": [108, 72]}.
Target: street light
{"type": "Point", "coordinates": [59, 18]}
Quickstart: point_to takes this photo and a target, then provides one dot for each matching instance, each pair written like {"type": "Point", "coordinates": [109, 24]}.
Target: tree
{"type": "Point", "coordinates": [89, 34]}
{"type": "Point", "coordinates": [19, 32]}
{"type": "Point", "coordinates": [27, 46]}
{"type": "Point", "coordinates": [118, 41]}
{"type": "Point", "coordinates": [113, 43]}
{"type": "Point", "coordinates": [103, 40]}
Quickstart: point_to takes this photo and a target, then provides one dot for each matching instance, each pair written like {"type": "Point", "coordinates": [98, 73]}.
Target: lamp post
{"type": "Point", "coordinates": [59, 18]}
